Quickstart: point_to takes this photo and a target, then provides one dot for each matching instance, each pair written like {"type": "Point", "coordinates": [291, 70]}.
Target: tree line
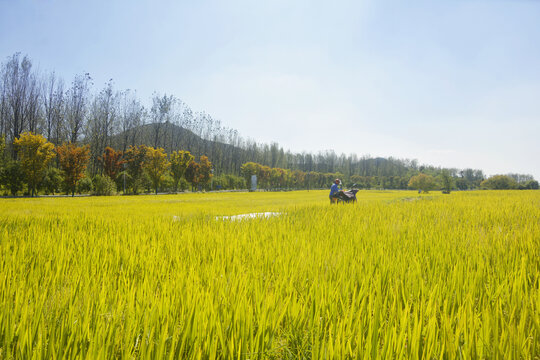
{"type": "Point", "coordinates": [139, 167]}
{"type": "Point", "coordinates": [75, 113]}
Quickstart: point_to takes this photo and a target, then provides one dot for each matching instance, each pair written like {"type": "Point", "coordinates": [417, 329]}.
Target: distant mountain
{"type": "Point", "coordinates": [172, 137]}
{"type": "Point", "coordinates": [228, 159]}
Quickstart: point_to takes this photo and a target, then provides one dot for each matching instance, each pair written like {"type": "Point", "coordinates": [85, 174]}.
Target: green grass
{"type": "Point", "coordinates": [453, 276]}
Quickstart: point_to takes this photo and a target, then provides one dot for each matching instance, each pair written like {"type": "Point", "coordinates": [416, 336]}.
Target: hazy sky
{"type": "Point", "coordinates": [448, 82]}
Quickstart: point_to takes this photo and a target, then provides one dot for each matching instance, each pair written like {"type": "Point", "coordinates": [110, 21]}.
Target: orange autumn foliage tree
{"type": "Point", "coordinates": [112, 162]}
{"type": "Point", "coordinates": [193, 174]}
{"type": "Point", "coordinates": [73, 160]}
{"type": "Point", "coordinates": [205, 170]}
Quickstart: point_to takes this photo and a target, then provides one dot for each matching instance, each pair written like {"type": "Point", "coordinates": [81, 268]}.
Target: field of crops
{"type": "Point", "coordinates": [398, 275]}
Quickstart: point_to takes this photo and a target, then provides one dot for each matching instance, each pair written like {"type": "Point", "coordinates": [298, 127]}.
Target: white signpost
{"type": "Point", "coordinates": [253, 183]}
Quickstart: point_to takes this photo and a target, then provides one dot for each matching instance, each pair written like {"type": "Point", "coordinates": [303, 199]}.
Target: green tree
{"type": "Point", "coordinates": [422, 182]}
{"type": "Point", "coordinates": [84, 186]}
{"type": "Point", "coordinates": [156, 165]}
{"type": "Point", "coordinates": [275, 176]}
{"type": "Point", "coordinates": [52, 181]}
{"type": "Point", "coordinates": [104, 185]}
{"type": "Point", "coordinates": [499, 182]}
{"type": "Point", "coordinates": [179, 163]}
{"type": "Point", "coordinates": [462, 184]}
{"type": "Point", "coordinates": [135, 157]}
{"type": "Point", "coordinates": [530, 185]}
{"type": "Point", "coordinates": [12, 177]}
{"type": "Point", "coordinates": [263, 176]}
{"type": "Point", "coordinates": [248, 169]}
{"type": "Point", "coordinates": [34, 152]}
{"type": "Point", "coordinates": [447, 181]}
{"type": "Point", "coordinates": [2, 149]}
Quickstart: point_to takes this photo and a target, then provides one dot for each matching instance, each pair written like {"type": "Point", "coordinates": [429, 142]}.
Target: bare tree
{"type": "Point", "coordinates": [162, 113]}
{"type": "Point", "coordinates": [3, 103]}
{"type": "Point", "coordinates": [131, 118]}
{"type": "Point", "coordinates": [102, 123]}
{"type": "Point", "coordinates": [187, 123]}
{"type": "Point", "coordinates": [76, 106]}
{"type": "Point", "coordinates": [20, 97]}
{"type": "Point", "coordinates": [32, 110]}
{"type": "Point", "coordinates": [178, 137]}
{"type": "Point", "coordinates": [53, 104]}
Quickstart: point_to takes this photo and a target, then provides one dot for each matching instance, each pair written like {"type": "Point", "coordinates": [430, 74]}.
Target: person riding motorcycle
{"type": "Point", "coordinates": [334, 190]}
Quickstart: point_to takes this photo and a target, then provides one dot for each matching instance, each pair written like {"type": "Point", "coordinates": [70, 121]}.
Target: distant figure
{"type": "Point", "coordinates": [333, 191]}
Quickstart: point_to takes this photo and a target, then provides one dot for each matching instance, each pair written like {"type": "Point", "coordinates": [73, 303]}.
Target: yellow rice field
{"type": "Point", "coordinates": [398, 275]}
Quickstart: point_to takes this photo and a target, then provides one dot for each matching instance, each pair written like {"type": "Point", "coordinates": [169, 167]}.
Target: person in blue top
{"type": "Point", "coordinates": [334, 189]}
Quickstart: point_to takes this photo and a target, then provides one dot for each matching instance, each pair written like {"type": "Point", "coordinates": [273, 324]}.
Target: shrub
{"type": "Point", "coordinates": [227, 181]}
{"type": "Point", "coordinates": [104, 185]}
{"type": "Point", "coordinates": [183, 184]}
{"type": "Point", "coordinates": [52, 181]}
{"type": "Point", "coordinates": [529, 185]}
{"type": "Point", "coordinates": [84, 186]}
{"type": "Point", "coordinates": [499, 182]}
{"type": "Point", "coordinates": [422, 182]}
{"type": "Point", "coordinates": [220, 182]}
{"type": "Point", "coordinates": [446, 181]}
{"type": "Point", "coordinates": [12, 177]}
{"type": "Point", "coordinates": [167, 184]}
{"type": "Point", "coordinates": [146, 183]}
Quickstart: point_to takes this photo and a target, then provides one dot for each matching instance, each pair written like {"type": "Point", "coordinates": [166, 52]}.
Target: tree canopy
{"type": "Point", "coordinates": [73, 160]}
{"type": "Point", "coordinates": [156, 164]}
{"type": "Point", "coordinates": [499, 182]}
{"type": "Point", "coordinates": [179, 162]}
{"type": "Point", "coordinates": [422, 182]}
{"type": "Point", "coordinates": [34, 152]}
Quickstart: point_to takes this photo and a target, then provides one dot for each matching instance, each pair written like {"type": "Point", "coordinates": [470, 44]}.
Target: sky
{"type": "Point", "coordinates": [452, 83]}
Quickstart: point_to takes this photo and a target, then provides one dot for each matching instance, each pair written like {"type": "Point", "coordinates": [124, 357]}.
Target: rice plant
{"type": "Point", "coordinates": [397, 275]}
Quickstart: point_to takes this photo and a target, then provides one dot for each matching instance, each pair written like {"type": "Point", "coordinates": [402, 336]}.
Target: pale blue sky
{"type": "Point", "coordinates": [449, 82]}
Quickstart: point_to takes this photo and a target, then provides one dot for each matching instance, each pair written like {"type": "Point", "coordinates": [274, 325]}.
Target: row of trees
{"type": "Point", "coordinates": [277, 178]}
{"type": "Point", "coordinates": [135, 167]}
{"type": "Point", "coordinates": [77, 113]}
{"type": "Point", "coordinates": [34, 155]}
{"type": "Point", "coordinates": [44, 104]}
{"type": "Point", "coordinates": [509, 182]}
{"type": "Point", "coordinates": [446, 183]}
{"type": "Point", "coordinates": [143, 167]}
{"type": "Point", "coordinates": [274, 178]}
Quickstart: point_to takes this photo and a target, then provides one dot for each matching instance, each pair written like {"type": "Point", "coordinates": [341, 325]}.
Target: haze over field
{"type": "Point", "coordinates": [450, 83]}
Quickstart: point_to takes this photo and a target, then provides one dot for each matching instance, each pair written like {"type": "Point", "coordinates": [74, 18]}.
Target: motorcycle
{"type": "Point", "coordinates": [348, 196]}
